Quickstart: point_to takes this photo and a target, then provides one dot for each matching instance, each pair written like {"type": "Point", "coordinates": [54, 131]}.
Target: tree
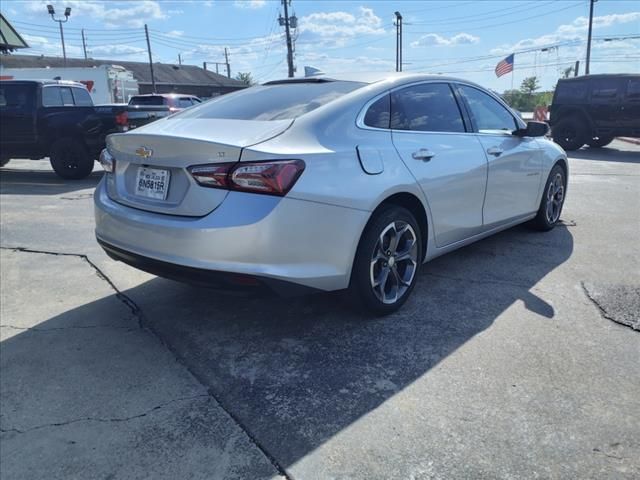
{"type": "Point", "coordinates": [529, 85]}
{"type": "Point", "coordinates": [567, 72]}
{"type": "Point", "coordinates": [245, 77]}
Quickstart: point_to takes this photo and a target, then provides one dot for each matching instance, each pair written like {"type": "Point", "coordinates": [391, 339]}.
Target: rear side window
{"type": "Point", "coordinates": [16, 97]}
{"type": "Point", "coordinates": [272, 102]}
{"type": "Point", "coordinates": [51, 97]}
{"type": "Point", "coordinates": [151, 100]}
{"type": "Point", "coordinates": [379, 113]}
{"type": "Point", "coordinates": [67, 97]}
{"type": "Point", "coordinates": [82, 97]}
{"type": "Point", "coordinates": [430, 107]}
{"type": "Point", "coordinates": [633, 90]}
{"type": "Point", "coordinates": [604, 89]}
{"type": "Point", "coordinates": [184, 103]}
{"type": "Point", "coordinates": [486, 112]}
{"type": "Point", "coordinates": [570, 92]}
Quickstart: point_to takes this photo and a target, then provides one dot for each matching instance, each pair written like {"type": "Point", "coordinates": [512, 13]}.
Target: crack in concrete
{"type": "Point", "coordinates": [104, 420]}
{"type": "Point", "coordinates": [131, 305]}
{"type": "Point", "coordinates": [603, 312]}
{"type": "Point", "coordinates": [38, 329]}
{"type": "Point", "coordinates": [144, 325]}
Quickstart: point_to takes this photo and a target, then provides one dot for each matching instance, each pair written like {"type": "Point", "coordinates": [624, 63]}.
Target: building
{"type": "Point", "coordinates": [169, 78]}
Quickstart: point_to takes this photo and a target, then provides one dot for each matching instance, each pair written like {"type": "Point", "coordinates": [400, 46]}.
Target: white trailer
{"type": "Point", "coordinates": [106, 83]}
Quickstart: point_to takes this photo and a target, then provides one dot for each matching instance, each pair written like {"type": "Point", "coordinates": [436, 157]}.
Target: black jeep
{"type": "Point", "coordinates": [594, 109]}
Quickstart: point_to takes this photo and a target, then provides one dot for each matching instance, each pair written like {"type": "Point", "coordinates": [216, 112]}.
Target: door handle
{"type": "Point", "coordinates": [495, 151]}
{"type": "Point", "coordinates": [423, 154]}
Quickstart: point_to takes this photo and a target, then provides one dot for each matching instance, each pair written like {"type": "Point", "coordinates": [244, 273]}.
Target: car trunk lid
{"type": "Point", "coordinates": [159, 154]}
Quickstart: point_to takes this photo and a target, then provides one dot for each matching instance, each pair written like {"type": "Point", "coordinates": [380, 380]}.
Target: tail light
{"type": "Point", "coordinates": [272, 177]}
{"type": "Point", "coordinates": [122, 120]}
{"type": "Point", "coordinates": [107, 161]}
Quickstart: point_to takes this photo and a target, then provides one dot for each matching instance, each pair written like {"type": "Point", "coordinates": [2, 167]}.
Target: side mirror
{"type": "Point", "coordinates": [534, 129]}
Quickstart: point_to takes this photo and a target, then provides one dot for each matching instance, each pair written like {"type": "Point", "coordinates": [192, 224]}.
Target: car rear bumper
{"type": "Point", "coordinates": [271, 238]}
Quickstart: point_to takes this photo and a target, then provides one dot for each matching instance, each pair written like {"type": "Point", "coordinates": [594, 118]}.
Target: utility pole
{"type": "Point", "coordinates": [179, 60]}
{"type": "Point", "coordinates": [576, 69]}
{"type": "Point", "coordinates": [289, 23]}
{"type": "Point", "coordinates": [586, 68]}
{"type": "Point", "coordinates": [226, 60]}
{"type": "Point", "coordinates": [84, 44]}
{"type": "Point", "coordinates": [67, 14]}
{"type": "Point", "coordinates": [153, 78]}
{"type": "Point", "coordinates": [398, 42]}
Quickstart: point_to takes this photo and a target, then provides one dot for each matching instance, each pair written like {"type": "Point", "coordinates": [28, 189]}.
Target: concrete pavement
{"type": "Point", "coordinates": [515, 357]}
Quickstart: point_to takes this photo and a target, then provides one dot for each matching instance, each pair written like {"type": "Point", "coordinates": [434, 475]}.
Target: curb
{"type": "Point", "coordinates": [635, 141]}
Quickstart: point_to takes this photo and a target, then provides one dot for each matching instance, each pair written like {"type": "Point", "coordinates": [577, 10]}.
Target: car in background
{"type": "Point", "coordinates": [595, 109]}
{"type": "Point", "coordinates": [147, 108]}
{"type": "Point", "coordinates": [325, 184]}
{"type": "Point", "coordinates": [55, 119]}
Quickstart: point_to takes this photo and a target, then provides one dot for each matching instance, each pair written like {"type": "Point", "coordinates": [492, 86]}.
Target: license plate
{"type": "Point", "coordinates": [152, 183]}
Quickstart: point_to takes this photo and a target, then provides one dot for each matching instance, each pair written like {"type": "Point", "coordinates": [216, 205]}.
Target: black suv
{"type": "Point", "coordinates": [594, 109]}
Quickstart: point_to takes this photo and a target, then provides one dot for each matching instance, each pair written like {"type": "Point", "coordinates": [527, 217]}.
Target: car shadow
{"type": "Point", "coordinates": [606, 154]}
{"type": "Point", "coordinates": [296, 372]}
{"type": "Point", "coordinates": [14, 181]}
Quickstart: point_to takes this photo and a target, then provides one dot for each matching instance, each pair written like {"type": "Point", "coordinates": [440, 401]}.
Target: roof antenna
{"type": "Point", "coordinates": [312, 71]}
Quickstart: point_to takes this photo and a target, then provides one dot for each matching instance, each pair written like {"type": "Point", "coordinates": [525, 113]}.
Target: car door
{"type": "Point", "coordinates": [515, 163]}
{"type": "Point", "coordinates": [17, 111]}
{"type": "Point", "coordinates": [429, 133]}
{"type": "Point", "coordinates": [630, 109]}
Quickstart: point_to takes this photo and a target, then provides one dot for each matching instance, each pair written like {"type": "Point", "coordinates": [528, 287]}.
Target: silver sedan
{"type": "Point", "coordinates": [325, 183]}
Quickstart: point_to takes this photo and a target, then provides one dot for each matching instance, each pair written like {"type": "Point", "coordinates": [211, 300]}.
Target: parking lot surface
{"type": "Point", "coordinates": [515, 357]}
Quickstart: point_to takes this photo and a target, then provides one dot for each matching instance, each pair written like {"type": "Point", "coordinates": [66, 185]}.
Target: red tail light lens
{"type": "Point", "coordinates": [271, 178]}
{"type": "Point", "coordinates": [122, 119]}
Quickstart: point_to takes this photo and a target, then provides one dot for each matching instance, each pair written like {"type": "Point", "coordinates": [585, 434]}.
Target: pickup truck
{"type": "Point", "coordinates": [145, 109]}
{"type": "Point", "coordinates": [55, 119]}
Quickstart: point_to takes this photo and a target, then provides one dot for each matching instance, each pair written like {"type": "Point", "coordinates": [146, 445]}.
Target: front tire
{"type": "Point", "coordinates": [600, 141]}
{"type": "Point", "coordinates": [70, 159]}
{"type": "Point", "coordinates": [552, 200]}
{"type": "Point", "coordinates": [387, 261]}
{"type": "Point", "coordinates": [570, 133]}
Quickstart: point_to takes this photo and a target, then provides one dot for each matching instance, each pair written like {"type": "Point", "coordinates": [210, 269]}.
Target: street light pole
{"type": "Point", "coordinates": [398, 42]}
{"type": "Point", "coordinates": [586, 68]}
{"type": "Point", "coordinates": [67, 14]}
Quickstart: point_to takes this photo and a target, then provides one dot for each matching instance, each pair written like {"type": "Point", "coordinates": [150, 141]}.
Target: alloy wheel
{"type": "Point", "coordinates": [394, 262]}
{"type": "Point", "coordinates": [555, 197]}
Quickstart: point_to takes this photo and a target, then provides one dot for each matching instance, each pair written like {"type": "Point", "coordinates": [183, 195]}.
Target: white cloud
{"type": "Point", "coordinates": [175, 33]}
{"type": "Point", "coordinates": [136, 15]}
{"type": "Point", "coordinates": [175, 12]}
{"type": "Point", "coordinates": [433, 39]}
{"type": "Point", "coordinates": [342, 24]}
{"type": "Point", "coordinates": [573, 31]}
{"type": "Point", "coordinates": [250, 4]}
{"type": "Point", "coordinates": [208, 3]}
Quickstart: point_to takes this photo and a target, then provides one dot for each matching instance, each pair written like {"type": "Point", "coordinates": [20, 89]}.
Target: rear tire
{"type": "Point", "coordinates": [387, 261]}
{"type": "Point", "coordinates": [70, 159]}
{"type": "Point", "coordinates": [570, 133]}
{"type": "Point", "coordinates": [552, 200]}
{"type": "Point", "coordinates": [600, 141]}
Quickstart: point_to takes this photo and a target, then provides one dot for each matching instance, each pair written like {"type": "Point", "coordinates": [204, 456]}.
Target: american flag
{"type": "Point", "coordinates": [504, 66]}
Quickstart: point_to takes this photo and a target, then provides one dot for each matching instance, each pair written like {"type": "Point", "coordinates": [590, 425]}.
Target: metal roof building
{"type": "Point", "coordinates": [169, 78]}
{"type": "Point", "coordinates": [10, 39]}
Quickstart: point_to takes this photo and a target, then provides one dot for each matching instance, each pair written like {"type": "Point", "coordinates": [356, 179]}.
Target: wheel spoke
{"type": "Point", "coordinates": [382, 278]}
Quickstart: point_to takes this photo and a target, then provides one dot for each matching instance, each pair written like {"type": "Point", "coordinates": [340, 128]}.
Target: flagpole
{"type": "Point", "coordinates": [512, 73]}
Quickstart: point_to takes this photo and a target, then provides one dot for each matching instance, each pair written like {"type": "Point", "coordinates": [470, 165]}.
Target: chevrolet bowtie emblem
{"type": "Point", "coordinates": [144, 152]}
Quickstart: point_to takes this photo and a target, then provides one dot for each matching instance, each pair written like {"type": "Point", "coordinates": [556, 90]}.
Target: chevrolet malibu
{"type": "Point", "coordinates": [325, 183]}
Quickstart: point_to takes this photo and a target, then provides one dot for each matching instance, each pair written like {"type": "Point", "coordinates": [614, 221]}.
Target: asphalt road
{"type": "Point", "coordinates": [516, 357]}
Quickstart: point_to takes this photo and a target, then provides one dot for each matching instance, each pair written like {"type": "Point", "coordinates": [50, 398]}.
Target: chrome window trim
{"type": "Point", "coordinates": [363, 112]}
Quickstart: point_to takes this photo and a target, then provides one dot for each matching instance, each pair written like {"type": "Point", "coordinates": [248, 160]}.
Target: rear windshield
{"type": "Point", "coordinates": [151, 100]}
{"type": "Point", "coordinates": [568, 92]}
{"type": "Point", "coordinates": [272, 102]}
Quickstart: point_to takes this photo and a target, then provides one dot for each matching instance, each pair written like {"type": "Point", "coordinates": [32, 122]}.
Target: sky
{"type": "Point", "coordinates": [458, 37]}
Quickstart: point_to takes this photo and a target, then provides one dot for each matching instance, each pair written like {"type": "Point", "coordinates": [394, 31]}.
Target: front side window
{"type": "Point", "coordinates": [486, 112]}
{"type": "Point", "coordinates": [67, 97]}
{"type": "Point", "coordinates": [633, 90]}
{"type": "Point", "coordinates": [148, 100]}
{"type": "Point", "coordinates": [184, 103]}
{"type": "Point", "coordinates": [278, 101]}
{"type": "Point", "coordinates": [82, 97]}
{"type": "Point", "coordinates": [429, 107]}
{"type": "Point", "coordinates": [51, 97]}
